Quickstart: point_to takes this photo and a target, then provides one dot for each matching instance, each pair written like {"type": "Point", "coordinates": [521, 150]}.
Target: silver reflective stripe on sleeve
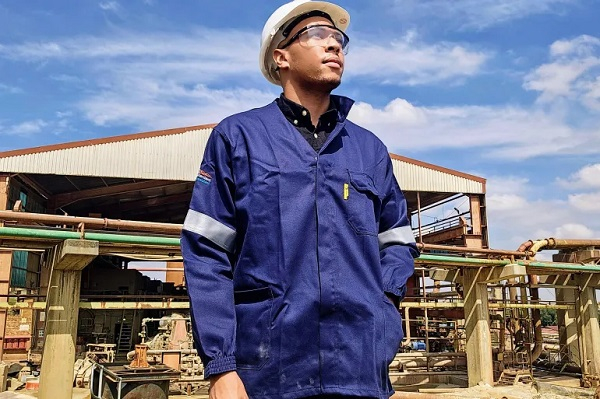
{"type": "Point", "coordinates": [210, 229]}
{"type": "Point", "coordinates": [399, 235]}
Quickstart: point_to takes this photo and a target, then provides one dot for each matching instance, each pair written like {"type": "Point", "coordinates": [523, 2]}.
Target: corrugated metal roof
{"type": "Point", "coordinates": [176, 154]}
{"type": "Point", "coordinates": [417, 176]}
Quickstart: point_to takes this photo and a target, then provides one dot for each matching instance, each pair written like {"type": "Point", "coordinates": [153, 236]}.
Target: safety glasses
{"type": "Point", "coordinates": [318, 35]}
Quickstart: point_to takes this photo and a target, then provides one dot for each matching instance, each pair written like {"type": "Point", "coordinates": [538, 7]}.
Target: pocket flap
{"type": "Point", "coordinates": [363, 182]}
{"type": "Point", "coordinates": [254, 295]}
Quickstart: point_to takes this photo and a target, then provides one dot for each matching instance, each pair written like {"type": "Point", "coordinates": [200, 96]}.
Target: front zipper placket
{"type": "Point", "coordinates": [318, 264]}
{"type": "Point", "coordinates": [332, 135]}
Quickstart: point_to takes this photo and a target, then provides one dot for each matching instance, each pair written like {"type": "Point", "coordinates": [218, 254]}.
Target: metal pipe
{"type": "Point", "coordinates": [525, 246]}
{"type": "Point", "coordinates": [164, 228]}
{"type": "Point", "coordinates": [536, 318]}
{"type": "Point", "coordinates": [435, 205]}
{"type": "Point", "coordinates": [452, 217]}
{"type": "Point", "coordinates": [557, 243]}
{"type": "Point", "coordinates": [537, 245]}
{"type": "Point", "coordinates": [426, 315]}
{"type": "Point", "coordinates": [185, 305]}
{"type": "Point", "coordinates": [554, 243]}
{"type": "Point", "coordinates": [101, 237]}
{"type": "Point", "coordinates": [450, 248]}
{"type": "Point", "coordinates": [406, 327]}
{"type": "Point", "coordinates": [158, 269]}
{"type": "Point", "coordinates": [477, 262]}
{"type": "Point", "coordinates": [426, 363]}
{"type": "Point", "coordinates": [419, 217]}
{"type": "Point", "coordinates": [152, 352]}
{"type": "Point", "coordinates": [418, 395]}
{"type": "Point", "coordinates": [174, 242]}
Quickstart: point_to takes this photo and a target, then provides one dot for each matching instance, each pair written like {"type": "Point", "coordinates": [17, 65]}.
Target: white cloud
{"type": "Point", "coordinates": [409, 62]}
{"type": "Point", "coordinates": [587, 202]}
{"type": "Point", "coordinates": [586, 177]}
{"type": "Point", "coordinates": [24, 129]}
{"type": "Point", "coordinates": [500, 131]}
{"type": "Point", "coordinates": [169, 107]}
{"type": "Point", "coordinates": [506, 202]}
{"type": "Point", "coordinates": [571, 74]}
{"type": "Point", "coordinates": [10, 89]}
{"type": "Point", "coordinates": [155, 81]}
{"type": "Point", "coordinates": [518, 210]}
{"type": "Point", "coordinates": [110, 6]}
{"type": "Point", "coordinates": [161, 80]}
{"type": "Point", "coordinates": [173, 51]}
{"type": "Point", "coordinates": [478, 14]}
{"type": "Point", "coordinates": [581, 46]}
{"type": "Point", "coordinates": [574, 230]}
{"type": "Point", "coordinates": [507, 185]}
{"type": "Point", "coordinates": [68, 79]}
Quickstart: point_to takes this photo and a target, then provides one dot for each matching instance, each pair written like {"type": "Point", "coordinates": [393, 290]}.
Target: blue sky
{"type": "Point", "coordinates": [505, 89]}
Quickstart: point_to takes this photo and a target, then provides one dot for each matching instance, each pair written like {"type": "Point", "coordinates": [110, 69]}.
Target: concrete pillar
{"type": "Point", "coordinates": [477, 328]}
{"type": "Point", "coordinates": [567, 325]}
{"type": "Point", "coordinates": [5, 261]}
{"type": "Point", "coordinates": [589, 327]}
{"type": "Point", "coordinates": [68, 260]}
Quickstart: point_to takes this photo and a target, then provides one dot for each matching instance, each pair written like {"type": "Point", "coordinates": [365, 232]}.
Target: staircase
{"type": "Point", "coordinates": [125, 338]}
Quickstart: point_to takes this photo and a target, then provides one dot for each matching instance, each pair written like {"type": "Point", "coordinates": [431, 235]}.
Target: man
{"type": "Point", "coordinates": [297, 239]}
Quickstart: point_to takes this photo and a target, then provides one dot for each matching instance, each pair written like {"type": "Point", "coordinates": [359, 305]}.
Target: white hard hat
{"type": "Point", "coordinates": [272, 32]}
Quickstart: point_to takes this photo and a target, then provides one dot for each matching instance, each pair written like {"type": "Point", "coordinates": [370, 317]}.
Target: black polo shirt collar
{"type": "Point", "coordinates": [300, 116]}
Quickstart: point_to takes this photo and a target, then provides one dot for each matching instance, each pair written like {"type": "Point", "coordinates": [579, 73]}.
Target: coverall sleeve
{"type": "Point", "coordinates": [207, 245]}
{"type": "Point", "coordinates": [396, 240]}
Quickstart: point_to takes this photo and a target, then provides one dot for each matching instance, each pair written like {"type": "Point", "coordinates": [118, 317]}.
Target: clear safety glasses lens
{"type": "Point", "coordinates": [319, 35]}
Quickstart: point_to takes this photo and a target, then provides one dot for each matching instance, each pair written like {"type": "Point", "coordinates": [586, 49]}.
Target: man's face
{"type": "Point", "coordinates": [320, 66]}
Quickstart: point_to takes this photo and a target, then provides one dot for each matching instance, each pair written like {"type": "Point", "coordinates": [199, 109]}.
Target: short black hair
{"type": "Point", "coordinates": [315, 13]}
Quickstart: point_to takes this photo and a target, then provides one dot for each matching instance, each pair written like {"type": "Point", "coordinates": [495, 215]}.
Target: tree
{"type": "Point", "coordinates": [548, 317]}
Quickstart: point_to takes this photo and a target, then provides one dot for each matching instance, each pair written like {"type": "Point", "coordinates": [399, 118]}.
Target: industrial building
{"type": "Point", "coordinates": [79, 213]}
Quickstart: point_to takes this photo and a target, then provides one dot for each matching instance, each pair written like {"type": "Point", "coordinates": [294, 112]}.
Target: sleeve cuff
{"type": "Point", "coordinates": [397, 292]}
{"type": "Point", "coordinates": [219, 366]}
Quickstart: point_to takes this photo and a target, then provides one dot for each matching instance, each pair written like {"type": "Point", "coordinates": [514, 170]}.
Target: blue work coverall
{"type": "Point", "coordinates": [289, 252]}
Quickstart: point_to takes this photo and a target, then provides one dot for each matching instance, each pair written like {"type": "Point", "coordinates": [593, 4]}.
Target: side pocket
{"type": "Point", "coordinates": [253, 333]}
{"type": "Point", "coordinates": [393, 330]}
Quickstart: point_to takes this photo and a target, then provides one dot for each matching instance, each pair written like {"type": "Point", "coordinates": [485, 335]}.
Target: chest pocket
{"type": "Point", "coordinates": [362, 204]}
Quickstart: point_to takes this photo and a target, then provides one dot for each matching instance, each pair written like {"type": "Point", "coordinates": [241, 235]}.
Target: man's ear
{"type": "Point", "coordinates": [280, 56]}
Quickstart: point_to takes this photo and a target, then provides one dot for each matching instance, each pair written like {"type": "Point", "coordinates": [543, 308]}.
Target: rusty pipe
{"type": "Point", "coordinates": [152, 352]}
{"type": "Point", "coordinates": [536, 318]}
{"type": "Point", "coordinates": [525, 246]}
{"type": "Point", "coordinates": [418, 395]}
{"type": "Point", "coordinates": [556, 243]}
{"type": "Point", "coordinates": [407, 339]}
{"type": "Point", "coordinates": [421, 362]}
{"type": "Point", "coordinates": [450, 248]}
{"type": "Point", "coordinates": [103, 223]}
{"type": "Point", "coordinates": [538, 245]}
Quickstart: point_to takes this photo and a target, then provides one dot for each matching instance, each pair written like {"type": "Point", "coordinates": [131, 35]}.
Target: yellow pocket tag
{"type": "Point", "coordinates": [346, 191]}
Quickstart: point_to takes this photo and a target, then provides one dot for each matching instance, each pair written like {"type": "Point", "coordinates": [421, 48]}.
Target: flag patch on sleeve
{"type": "Point", "coordinates": [204, 177]}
